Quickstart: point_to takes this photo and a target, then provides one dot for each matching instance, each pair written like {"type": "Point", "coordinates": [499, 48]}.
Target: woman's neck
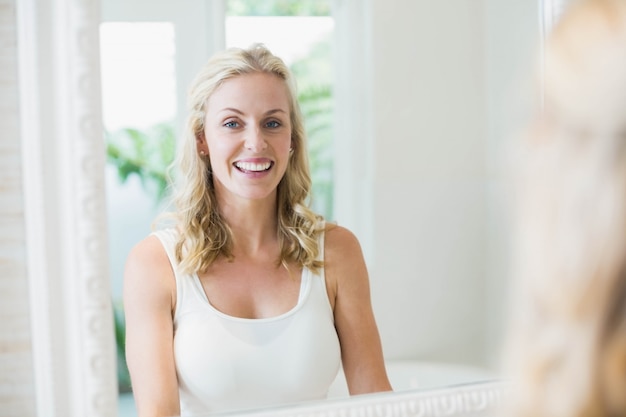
{"type": "Point", "coordinates": [253, 224]}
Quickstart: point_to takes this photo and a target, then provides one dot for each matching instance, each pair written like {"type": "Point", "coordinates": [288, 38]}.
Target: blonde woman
{"type": "Point", "coordinates": [249, 299]}
{"type": "Point", "coordinates": [567, 350]}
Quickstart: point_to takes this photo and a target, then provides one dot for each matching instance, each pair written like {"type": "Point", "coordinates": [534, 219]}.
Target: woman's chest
{"type": "Point", "coordinates": [252, 289]}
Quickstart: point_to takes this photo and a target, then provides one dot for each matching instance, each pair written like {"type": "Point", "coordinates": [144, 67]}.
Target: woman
{"type": "Point", "coordinates": [249, 299]}
{"type": "Point", "coordinates": [567, 348]}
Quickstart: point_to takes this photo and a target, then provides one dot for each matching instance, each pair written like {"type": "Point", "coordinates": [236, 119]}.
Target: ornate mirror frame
{"type": "Point", "coordinates": [476, 399]}
{"type": "Point", "coordinates": [64, 198]}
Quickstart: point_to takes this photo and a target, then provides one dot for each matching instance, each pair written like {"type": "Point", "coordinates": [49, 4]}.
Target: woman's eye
{"type": "Point", "coordinates": [231, 124]}
{"type": "Point", "coordinates": [272, 124]}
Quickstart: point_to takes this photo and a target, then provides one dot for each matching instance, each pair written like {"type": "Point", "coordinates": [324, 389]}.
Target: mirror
{"type": "Point", "coordinates": [425, 103]}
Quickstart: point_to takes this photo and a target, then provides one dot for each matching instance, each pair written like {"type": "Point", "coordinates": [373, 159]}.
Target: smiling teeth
{"type": "Point", "coordinates": [251, 166]}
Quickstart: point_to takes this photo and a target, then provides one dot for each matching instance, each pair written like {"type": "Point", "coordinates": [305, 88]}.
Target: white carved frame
{"type": "Point", "coordinates": [65, 211]}
{"type": "Point", "coordinates": [64, 196]}
{"type": "Point", "coordinates": [476, 399]}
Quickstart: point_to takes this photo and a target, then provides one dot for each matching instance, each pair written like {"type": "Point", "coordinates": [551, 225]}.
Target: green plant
{"type": "Point", "coordinates": [314, 75]}
{"type": "Point", "coordinates": [123, 376]}
{"type": "Point", "coordinates": [145, 153]}
{"type": "Point", "coordinates": [316, 104]}
{"type": "Point", "coordinates": [278, 8]}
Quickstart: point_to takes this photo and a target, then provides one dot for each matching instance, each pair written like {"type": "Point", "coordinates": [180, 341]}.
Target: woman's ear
{"type": "Point", "coordinates": [201, 144]}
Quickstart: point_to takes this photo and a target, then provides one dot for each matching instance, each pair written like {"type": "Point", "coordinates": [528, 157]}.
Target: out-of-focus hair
{"type": "Point", "coordinates": [204, 235]}
{"type": "Point", "coordinates": [566, 353]}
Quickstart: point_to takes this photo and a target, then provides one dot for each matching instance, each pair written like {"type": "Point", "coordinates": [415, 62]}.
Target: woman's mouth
{"type": "Point", "coordinates": [253, 166]}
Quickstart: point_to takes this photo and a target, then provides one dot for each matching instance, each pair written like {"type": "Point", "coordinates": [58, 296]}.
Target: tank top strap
{"type": "Point", "coordinates": [320, 240]}
{"type": "Point", "coordinates": [318, 280]}
{"type": "Point", "coordinates": [168, 240]}
{"type": "Point", "coordinates": [188, 295]}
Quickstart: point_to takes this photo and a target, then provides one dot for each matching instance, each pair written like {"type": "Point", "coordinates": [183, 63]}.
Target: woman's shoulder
{"type": "Point", "coordinates": [344, 265]}
{"type": "Point", "coordinates": [148, 250]}
{"type": "Point", "coordinates": [149, 256]}
{"type": "Point", "coordinates": [340, 242]}
{"type": "Point", "coordinates": [149, 280]}
{"type": "Point", "coordinates": [150, 245]}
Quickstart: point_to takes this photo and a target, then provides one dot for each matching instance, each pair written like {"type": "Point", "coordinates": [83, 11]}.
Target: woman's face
{"type": "Point", "coordinates": [247, 136]}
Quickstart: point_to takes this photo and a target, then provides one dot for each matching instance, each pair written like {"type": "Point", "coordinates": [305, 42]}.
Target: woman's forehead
{"type": "Point", "coordinates": [253, 86]}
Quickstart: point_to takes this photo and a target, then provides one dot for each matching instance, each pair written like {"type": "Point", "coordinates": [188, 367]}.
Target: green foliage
{"type": "Point", "coordinates": [316, 105]}
{"type": "Point", "coordinates": [123, 376]}
{"type": "Point", "coordinates": [278, 7]}
{"type": "Point", "coordinates": [315, 69]}
{"type": "Point", "coordinates": [314, 75]}
{"type": "Point", "coordinates": [145, 153]}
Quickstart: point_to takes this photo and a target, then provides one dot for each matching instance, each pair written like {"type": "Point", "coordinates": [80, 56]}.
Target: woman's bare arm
{"type": "Point", "coordinates": [149, 297]}
{"type": "Point", "coordinates": [361, 349]}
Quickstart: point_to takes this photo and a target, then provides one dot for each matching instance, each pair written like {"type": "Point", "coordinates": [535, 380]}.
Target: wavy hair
{"type": "Point", "coordinates": [203, 233]}
{"type": "Point", "coordinates": [567, 350]}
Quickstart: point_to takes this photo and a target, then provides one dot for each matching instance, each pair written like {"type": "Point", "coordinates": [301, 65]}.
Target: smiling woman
{"type": "Point", "coordinates": [140, 61]}
{"type": "Point", "coordinates": [248, 299]}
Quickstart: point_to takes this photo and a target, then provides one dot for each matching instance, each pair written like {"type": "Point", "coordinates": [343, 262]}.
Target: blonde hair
{"type": "Point", "coordinates": [566, 353]}
{"type": "Point", "coordinates": [204, 235]}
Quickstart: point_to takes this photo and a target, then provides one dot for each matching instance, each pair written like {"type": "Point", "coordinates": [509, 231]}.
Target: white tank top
{"type": "Point", "coordinates": [226, 363]}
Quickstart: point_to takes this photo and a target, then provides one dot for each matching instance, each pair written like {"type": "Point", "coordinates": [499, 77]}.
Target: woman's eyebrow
{"type": "Point", "coordinates": [267, 113]}
{"type": "Point", "coordinates": [231, 109]}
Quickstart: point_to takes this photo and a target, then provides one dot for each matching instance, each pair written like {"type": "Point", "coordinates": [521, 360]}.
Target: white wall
{"type": "Point", "coordinates": [423, 164]}
{"type": "Point", "coordinates": [17, 382]}
{"type": "Point", "coordinates": [429, 192]}
{"type": "Point", "coordinates": [512, 35]}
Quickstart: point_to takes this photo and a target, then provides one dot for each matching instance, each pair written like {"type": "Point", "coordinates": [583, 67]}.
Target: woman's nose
{"type": "Point", "coordinates": [255, 141]}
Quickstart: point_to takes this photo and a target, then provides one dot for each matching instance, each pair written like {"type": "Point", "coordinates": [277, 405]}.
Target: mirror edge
{"type": "Point", "coordinates": [472, 399]}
